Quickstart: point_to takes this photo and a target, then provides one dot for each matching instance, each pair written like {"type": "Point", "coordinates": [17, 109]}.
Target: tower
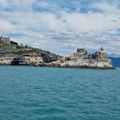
{"type": "Point", "coordinates": [102, 50]}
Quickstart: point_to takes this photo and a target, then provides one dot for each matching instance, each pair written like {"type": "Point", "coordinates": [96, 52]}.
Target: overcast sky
{"type": "Point", "coordinates": [61, 26]}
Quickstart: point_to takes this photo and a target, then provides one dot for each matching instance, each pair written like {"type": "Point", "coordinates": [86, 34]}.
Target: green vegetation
{"type": "Point", "coordinates": [14, 49]}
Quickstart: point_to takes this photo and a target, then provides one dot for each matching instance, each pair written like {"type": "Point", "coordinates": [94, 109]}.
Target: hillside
{"type": "Point", "coordinates": [11, 51]}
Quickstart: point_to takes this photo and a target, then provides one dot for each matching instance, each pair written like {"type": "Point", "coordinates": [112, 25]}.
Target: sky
{"type": "Point", "coordinates": [62, 26]}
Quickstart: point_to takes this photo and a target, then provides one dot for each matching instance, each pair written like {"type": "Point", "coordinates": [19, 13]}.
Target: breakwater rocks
{"type": "Point", "coordinates": [13, 54]}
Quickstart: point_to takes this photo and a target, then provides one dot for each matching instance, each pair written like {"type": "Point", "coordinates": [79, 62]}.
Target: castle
{"type": "Point", "coordinates": [4, 39]}
{"type": "Point", "coordinates": [100, 55]}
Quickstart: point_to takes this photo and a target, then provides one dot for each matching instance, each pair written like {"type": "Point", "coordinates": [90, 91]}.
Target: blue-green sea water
{"type": "Point", "coordinates": [31, 93]}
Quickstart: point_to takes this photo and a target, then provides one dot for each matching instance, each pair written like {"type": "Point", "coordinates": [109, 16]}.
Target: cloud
{"type": "Point", "coordinates": [17, 5]}
{"type": "Point", "coordinates": [61, 27]}
{"type": "Point", "coordinates": [6, 26]}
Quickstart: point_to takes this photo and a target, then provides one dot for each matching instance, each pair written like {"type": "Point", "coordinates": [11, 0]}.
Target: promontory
{"type": "Point", "coordinates": [11, 53]}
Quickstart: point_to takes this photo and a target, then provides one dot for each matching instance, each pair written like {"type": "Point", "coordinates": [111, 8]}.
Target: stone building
{"type": "Point", "coordinates": [100, 55]}
{"type": "Point", "coordinates": [4, 39]}
{"type": "Point", "coordinates": [81, 50]}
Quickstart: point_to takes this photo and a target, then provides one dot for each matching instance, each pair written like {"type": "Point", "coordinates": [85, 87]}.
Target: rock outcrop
{"type": "Point", "coordinates": [14, 54]}
{"type": "Point", "coordinates": [11, 53]}
{"type": "Point", "coordinates": [83, 59]}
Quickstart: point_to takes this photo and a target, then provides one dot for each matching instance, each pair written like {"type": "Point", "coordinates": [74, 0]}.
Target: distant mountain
{"type": "Point", "coordinates": [115, 61]}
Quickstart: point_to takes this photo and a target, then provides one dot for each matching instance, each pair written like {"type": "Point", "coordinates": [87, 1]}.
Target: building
{"type": "Point", "coordinates": [4, 39]}
{"type": "Point", "coordinates": [101, 50]}
{"type": "Point", "coordinates": [102, 54]}
{"type": "Point", "coordinates": [81, 50]}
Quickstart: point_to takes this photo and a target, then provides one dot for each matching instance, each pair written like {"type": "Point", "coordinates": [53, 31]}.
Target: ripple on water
{"type": "Point", "coordinates": [28, 93]}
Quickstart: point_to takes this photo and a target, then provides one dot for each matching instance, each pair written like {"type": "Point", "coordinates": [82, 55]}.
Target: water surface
{"type": "Point", "coordinates": [30, 93]}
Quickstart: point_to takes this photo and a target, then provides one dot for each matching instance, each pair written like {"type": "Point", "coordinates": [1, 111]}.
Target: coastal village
{"type": "Point", "coordinates": [13, 54]}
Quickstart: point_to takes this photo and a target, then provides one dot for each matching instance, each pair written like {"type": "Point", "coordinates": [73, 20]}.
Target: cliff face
{"type": "Point", "coordinates": [14, 54]}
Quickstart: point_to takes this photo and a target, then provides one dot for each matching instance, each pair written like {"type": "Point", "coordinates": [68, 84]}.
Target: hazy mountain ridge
{"type": "Point", "coordinates": [115, 61]}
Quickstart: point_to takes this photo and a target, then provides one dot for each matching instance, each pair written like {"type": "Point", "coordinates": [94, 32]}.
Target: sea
{"type": "Point", "coordinates": [35, 93]}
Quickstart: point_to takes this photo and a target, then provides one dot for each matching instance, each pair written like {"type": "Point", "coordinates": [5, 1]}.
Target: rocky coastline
{"type": "Point", "coordinates": [11, 53]}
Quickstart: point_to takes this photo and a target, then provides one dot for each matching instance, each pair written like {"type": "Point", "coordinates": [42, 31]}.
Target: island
{"type": "Point", "coordinates": [11, 53]}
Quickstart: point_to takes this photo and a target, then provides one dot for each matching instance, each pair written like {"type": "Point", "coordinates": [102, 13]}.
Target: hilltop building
{"type": "Point", "coordinates": [81, 50]}
{"type": "Point", "coordinates": [101, 54]}
{"type": "Point", "coordinates": [4, 39]}
{"type": "Point", "coordinates": [101, 50]}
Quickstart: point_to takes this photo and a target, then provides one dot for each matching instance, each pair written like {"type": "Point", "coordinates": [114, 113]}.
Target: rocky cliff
{"type": "Point", "coordinates": [14, 54]}
{"type": "Point", "coordinates": [83, 59]}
